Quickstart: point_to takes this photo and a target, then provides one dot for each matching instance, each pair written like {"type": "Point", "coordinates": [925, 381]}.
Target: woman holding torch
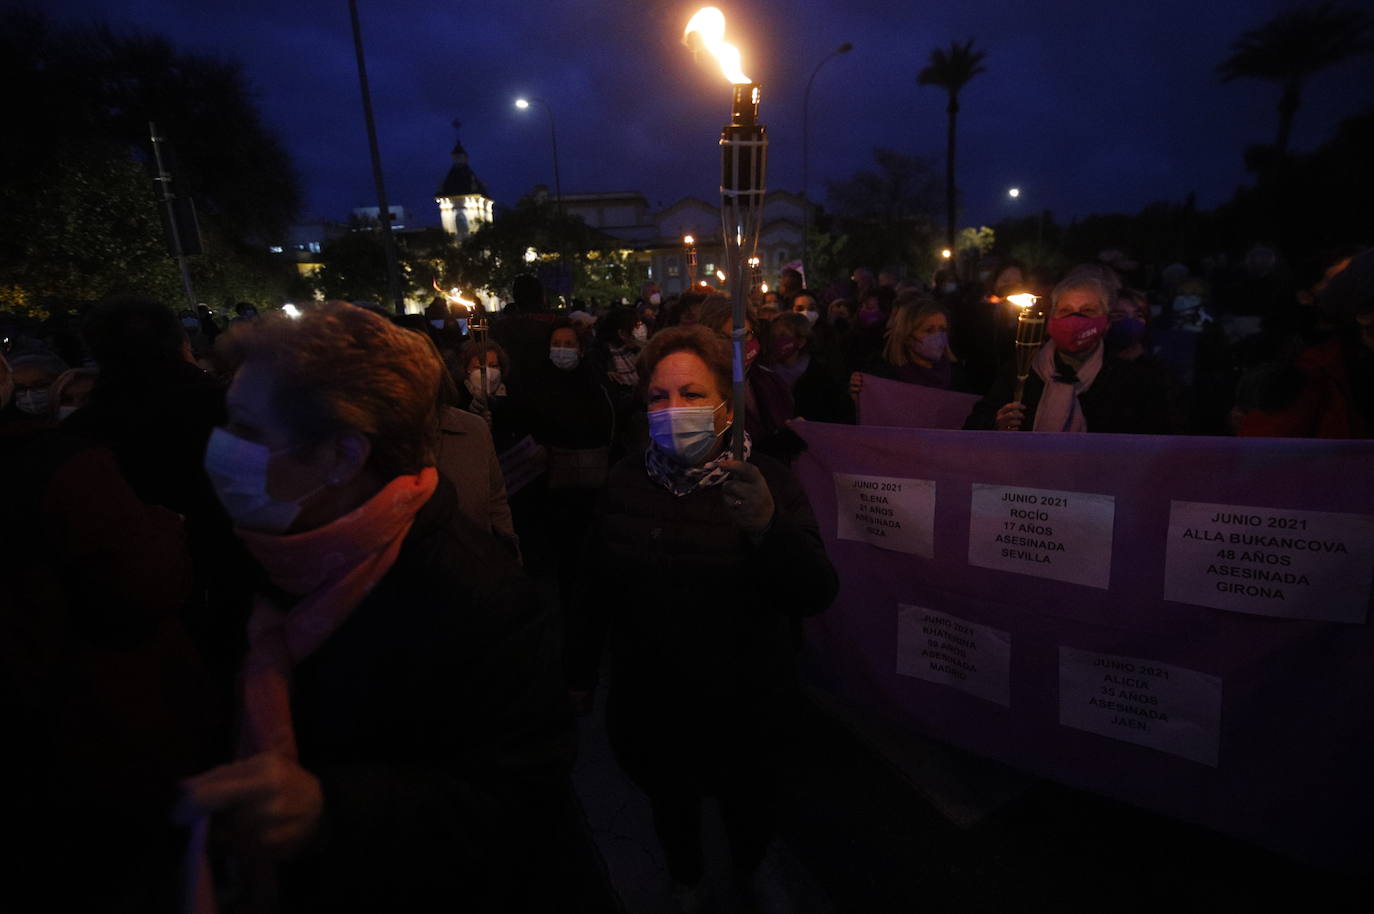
{"type": "Point", "coordinates": [1067, 385]}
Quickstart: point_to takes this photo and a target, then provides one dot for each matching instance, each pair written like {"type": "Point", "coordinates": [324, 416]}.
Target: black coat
{"type": "Point", "coordinates": [1125, 398]}
{"type": "Point", "coordinates": [820, 397]}
{"type": "Point", "coordinates": [436, 721]}
{"type": "Point", "coordinates": [569, 409]}
{"type": "Point", "coordinates": [702, 623]}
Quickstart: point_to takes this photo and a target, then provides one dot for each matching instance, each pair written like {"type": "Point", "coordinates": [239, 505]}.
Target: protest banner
{"type": "Point", "coordinates": [1179, 623]}
{"type": "Point", "coordinates": [899, 405]}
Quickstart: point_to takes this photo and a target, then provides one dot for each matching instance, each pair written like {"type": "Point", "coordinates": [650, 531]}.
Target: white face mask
{"type": "Point", "coordinates": [812, 316]}
{"type": "Point", "coordinates": [655, 299]}
{"type": "Point", "coordinates": [64, 411]}
{"type": "Point", "coordinates": [437, 325]}
{"type": "Point", "coordinates": [640, 334]}
{"type": "Point", "coordinates": [238, 470]}
{"type": "Point", "coordinates": [686, 432]}
{"type": "Point", "coordinates": [475, 381]}
{"type": "Point", "coordinates": [564, 358]}
{"type": "Point", "coordinates": [32, 402]}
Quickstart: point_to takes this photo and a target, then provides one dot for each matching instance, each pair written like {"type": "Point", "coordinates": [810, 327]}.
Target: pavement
{"type": "Point", "coordinates": [877, 820]}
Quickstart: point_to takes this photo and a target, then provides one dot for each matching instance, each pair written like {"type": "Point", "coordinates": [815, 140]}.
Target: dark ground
{"type": "Point", "coordinates": [863, 831]}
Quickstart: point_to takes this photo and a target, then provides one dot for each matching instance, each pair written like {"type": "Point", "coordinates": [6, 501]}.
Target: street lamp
{"type": "Point", "coordinates": [524, 103]}
{"type": "Point", "coordinates": [806, 155]}
{"type": "Point", "coordinates": [1014, 193]}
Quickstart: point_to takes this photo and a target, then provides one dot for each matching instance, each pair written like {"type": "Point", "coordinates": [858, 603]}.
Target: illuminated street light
{"type": "Point", "coordinates": [522, 103]}
{"type": "Point", "coordinates": [946, 253]}
{"type": "Point", "coordinates": [1014, 192]}
{"type": "Point", "coordinates": [291, 310]}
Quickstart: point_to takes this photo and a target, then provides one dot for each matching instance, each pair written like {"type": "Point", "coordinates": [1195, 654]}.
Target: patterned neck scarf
{"type": "Point", "coordinates": [681, 480]}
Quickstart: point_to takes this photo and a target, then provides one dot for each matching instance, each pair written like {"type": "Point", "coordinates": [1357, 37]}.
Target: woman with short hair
{"type": "Point", "coordinates": [403, 730]}
{"type": "Point", "coordinates": [714, 562]}
{"type": "Point", "coordinates": [1073, 386]}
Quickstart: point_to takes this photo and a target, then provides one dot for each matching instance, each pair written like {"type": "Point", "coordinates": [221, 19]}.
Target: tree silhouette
{"type": "Point", "coordinates": [951, 70]}
{"type": "Point", "coordinates": [1292, 47]}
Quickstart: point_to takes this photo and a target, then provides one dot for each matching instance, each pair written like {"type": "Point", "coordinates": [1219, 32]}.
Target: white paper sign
{"type": "Point", "coordinates": [1151, 704]}
{"type": "Point", "coordinates": [946, 650]}
{"type": "Point", "coordinates": [1270, 561]}
{"type": "Point", "coordinates": [891, 513]}
{"type": "Point", "coordinates": [1066, 536]}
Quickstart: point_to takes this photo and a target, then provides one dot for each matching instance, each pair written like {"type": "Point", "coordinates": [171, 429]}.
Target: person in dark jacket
{"type": "Point", "coordinates": [106, 702]}
{"type": "Point", "coordinates": [573, 417]}
{"type": "Point", "coordinates": [406, 740]}
{"type": "Point", "coordinates": [794, 359]}
{"type": "Point", "coordinates": [1073, 386]}
{"type": "Point", "coordinates": [154, 409]}
{"type": "Point", "coordinates": [716, 561]}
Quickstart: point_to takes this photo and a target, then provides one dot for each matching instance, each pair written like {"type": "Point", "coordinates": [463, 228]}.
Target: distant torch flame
{"type": "Point", "coordinates": [706, 31]}
{"type": "Point", "coordinates": [454, 296]}
{"type": "Point", "coordinates": [1022, 300]}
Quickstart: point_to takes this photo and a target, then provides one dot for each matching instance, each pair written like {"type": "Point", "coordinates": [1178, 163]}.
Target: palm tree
{"type": "Point", "coordinates": [951, 70]}
{"type": "Point", "coordinates": [1293, 46]}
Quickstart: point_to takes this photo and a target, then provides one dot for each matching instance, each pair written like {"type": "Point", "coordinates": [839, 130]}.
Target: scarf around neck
{"type": "Point", "coordinates": [1059, 409]}
{"type": "Point", "coordinates": [332, 568]}
{"type": "Point", "coordinates": [681, 480]}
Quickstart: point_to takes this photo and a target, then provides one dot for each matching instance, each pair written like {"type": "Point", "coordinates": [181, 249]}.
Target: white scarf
{"type": "Point", "coordinates": [1059, 409]}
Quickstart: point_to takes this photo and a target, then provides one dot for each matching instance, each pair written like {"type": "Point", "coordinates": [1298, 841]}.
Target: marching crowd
{"type": "Point", "coordinates": [300, 610]}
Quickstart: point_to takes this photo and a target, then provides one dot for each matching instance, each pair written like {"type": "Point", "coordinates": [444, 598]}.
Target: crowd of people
{"type": "Point", "coordinates": [301, 608]}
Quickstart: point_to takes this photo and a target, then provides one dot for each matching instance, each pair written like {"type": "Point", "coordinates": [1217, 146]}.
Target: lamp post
{"type": "Point", "coordinates": [1015, 193]}
{"type": "Point", "coordinates": [523, 104]}
{"type": "Point", "coordinates": [393, 269]}
{"type": "Point", "coordinates": [806, 156]}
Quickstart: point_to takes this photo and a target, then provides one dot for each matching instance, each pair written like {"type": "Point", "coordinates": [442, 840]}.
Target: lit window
{"type": "Point", "coordinates": [314, 247]}
{"type": "Point", "coordinates": [275, 249]}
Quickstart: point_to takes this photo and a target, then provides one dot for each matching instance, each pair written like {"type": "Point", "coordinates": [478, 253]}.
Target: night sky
{"type": "Point", "coordinates": [1087, 106]}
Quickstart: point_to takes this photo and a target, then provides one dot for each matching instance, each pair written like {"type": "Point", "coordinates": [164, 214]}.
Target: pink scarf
{"type": "Point", "coordinates": [333, 568]}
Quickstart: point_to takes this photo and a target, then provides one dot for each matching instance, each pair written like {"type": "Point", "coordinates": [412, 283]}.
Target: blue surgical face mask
{"type": "Point", "coordinates": [238, 471]}
{"type": "Point", "coordinates": [564, 358]}
{"type": "Point", "coordinates": [686, 432]}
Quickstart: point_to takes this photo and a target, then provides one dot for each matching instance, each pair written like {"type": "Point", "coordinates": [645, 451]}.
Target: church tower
{"type": "Point", "coordinates": [463, 202]}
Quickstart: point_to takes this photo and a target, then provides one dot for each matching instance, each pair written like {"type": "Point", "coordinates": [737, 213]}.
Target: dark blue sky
{"type": "Point", "coordinates": [1087, 106]}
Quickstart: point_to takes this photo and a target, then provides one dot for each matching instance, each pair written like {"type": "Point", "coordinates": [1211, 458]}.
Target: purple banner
{"type": "Point", "coordinates": [899, 405]}
{"type": "Point", "coordinates": [1180, 623]}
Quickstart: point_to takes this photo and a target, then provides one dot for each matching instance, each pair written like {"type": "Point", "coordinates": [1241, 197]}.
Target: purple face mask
{"type": "Point", "coordinates": [932, 346]}
{"type": "Point", "coordinates": [870, 318]}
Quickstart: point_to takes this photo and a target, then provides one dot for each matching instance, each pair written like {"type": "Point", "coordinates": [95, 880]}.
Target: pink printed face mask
{"type": "Point", "coordinates": [1077, 332]}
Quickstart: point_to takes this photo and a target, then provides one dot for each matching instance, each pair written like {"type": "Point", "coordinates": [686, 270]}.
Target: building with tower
{"type": "Point", "coordinates": [464, 205]}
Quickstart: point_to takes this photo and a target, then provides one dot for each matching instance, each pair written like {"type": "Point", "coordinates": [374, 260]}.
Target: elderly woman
{"type": "Point", "coordinates": [916, 350]}
{"type": "Point", "coordinates": [403, 725]}
{"type": "Point", "coordinates": [714, 561]}
{"type": "Point", "coordinates": [1073, 386]}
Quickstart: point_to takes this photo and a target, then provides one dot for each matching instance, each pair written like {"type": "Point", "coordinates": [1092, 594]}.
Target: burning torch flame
{"type": "Point", "coordinates": [1022, 300]}
{"type": "Point", "coordinates": [707, 30]}
{"type": "Point", "coordinates": [454, 296]}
